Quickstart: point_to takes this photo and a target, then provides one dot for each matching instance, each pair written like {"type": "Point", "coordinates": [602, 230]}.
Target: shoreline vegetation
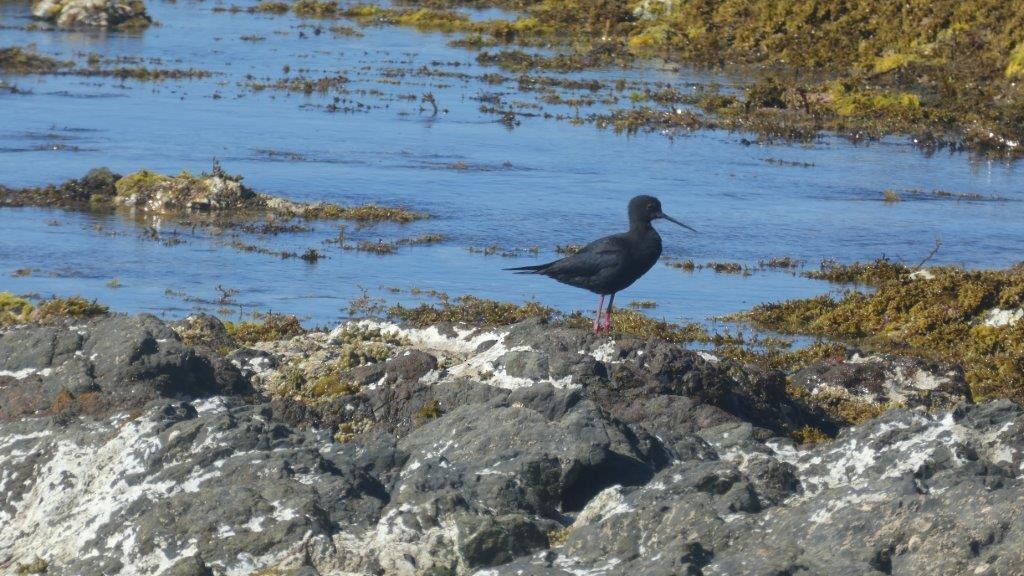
{"type": "Point", "coordinates": [972, 322]}
{"type": "Point", "coordinates": [946, 74]}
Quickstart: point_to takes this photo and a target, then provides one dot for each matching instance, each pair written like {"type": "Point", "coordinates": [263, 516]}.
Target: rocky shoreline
{"type": "Point", "coordinates": [129, 445]}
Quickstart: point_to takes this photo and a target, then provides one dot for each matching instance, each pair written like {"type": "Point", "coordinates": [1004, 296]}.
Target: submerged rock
{"type": "Point", "coordinates": [157, 193]}
{"type": "Point", "coordinates": [216, 193]}
{"type": "Point", "coordinates": [93, 13]}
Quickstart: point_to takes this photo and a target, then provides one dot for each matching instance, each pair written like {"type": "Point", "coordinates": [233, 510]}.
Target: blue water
{"type": "Point", "coordinates": [543, 183]}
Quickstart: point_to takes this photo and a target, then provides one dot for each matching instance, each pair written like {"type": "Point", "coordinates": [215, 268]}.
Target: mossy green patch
{"type": "Point", "coordinates": [632, 323]}
{"type": "Point", "coordinates": [431, 410]}
{"type": "Point", "coordinates": [1015, 66]}
{"type": "Point", "coordinates": [270, 7]}
{"type": "Point", "coordinates": [470, 310]}
{"type": "Point", "coordinates": [900, 106]}
{"type": "Point", "coordinates": [893, 61]}
{"type": "Point", "coordinates": [315, 8]}
{"type": "Point", "coordinates": [55, 308]}
{"type": "Point", "coordinates": [329, 385]}
{"type": "Point", "coordinates": [869, 274]}
{"type": "Point", "coordinates": [139, 182]}
{"type": "Point", "coordinates": [841, 405]}
{"type": "Point", "coordinates": [14, 310]}
{"type": "Point", "coordinates": [265, 328]}
{"type": "Point", "coordinates": [439, 20]}
{"type": "Point", "coordinates": [941, 314]}
{"type": "Point", "coordinates": [810, 435]}
{"type": "Point", "coordinates": [347, 431]}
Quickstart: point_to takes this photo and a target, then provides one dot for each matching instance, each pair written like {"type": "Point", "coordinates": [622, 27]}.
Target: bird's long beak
{"type": "Point", "coordinates": [671, 219]}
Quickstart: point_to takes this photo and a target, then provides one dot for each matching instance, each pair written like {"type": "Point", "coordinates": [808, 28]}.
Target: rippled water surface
{"type": "Point", "coordinates": [544, 182]}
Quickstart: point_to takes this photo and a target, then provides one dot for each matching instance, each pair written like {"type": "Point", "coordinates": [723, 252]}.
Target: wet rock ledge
{"type": "Point", "coordinates": [129, 445]}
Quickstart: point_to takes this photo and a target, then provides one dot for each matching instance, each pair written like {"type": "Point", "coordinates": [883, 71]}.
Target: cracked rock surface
{"type": "Point", "coordinates": [375, 449]}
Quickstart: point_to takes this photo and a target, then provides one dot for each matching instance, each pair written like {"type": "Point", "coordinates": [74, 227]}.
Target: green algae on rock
{"type": "Point", "coordinates": [13, 309]}
{"type": "Point", "coordinates": [318, 366]}
{"type": "Point", "coordinates": [944, 313]}
{"type": "Point", "coordinates": [264, 328]}
{"type": "Point", "coordinates": [470, 310]}
{"type": "Point", "coordinates": [158, 193]}
{"type": "Point", "coordinates": [53, 309]}
{"type": "Point", "coordinates": [120, 14]}
{"type": "Point", "coordinates": [315, 9]}
{"type": "Point", "coordinates": [17, 310]}
{"type": "Point", "coordinates": [216, 192]}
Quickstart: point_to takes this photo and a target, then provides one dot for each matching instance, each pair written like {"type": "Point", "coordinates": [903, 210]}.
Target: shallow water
{"type": "Point", "coordinates": [542, 183]}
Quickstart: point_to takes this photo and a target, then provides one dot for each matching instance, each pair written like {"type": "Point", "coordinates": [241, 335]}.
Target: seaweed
{"type": "Point", "coordinates": [945, 72]}
{"type": "Point", "coordinates": [470, 310]}
{"type": "Point", "coordinates": [13, 309]}
{"type": "Point", "coordinates": [17, 60]}
{"type": "Point", "coordinates": [265, 328]}
{"type": "Point", "coordinates": [55, 308]}
{"type": "Point", "coordinates": [943, 313]}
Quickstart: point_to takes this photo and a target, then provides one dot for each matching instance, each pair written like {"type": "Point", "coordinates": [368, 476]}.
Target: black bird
{"type": "Point", "coordinates": [612, 263]}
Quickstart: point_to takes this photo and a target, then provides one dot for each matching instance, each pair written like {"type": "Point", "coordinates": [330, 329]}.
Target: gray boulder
{"type": "Point", "coordinates": [115, 362]}
{"type": "Point", "coordinates": [187, 488]}
{"type": "Point", "coordinates": [887, 378]}
{"type": "Point", "coordinates": [92, 13]}
{"type": "Point", "coordinates": [909, 493]}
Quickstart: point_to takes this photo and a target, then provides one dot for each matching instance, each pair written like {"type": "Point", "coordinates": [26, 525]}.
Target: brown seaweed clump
{"type": "Point", "coordinates": [969, 317]}
{"type": "Point", "coordinates": [16, 60]}
{"type": "Point", "coordinates": [17, 310]}
{"type": "Point", "coordinates": [946, 72]}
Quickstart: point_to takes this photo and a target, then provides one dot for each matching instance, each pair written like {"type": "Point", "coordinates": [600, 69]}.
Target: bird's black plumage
{"type": "Point", "coordinates": [610, 264]}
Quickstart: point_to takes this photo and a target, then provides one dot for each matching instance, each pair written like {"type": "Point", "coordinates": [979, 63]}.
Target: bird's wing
{"type": "Point", "coordinates": [600, 256]}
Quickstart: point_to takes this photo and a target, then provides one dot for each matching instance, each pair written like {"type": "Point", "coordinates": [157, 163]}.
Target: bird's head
{"type": "Point", "coordinates": [644, 209]}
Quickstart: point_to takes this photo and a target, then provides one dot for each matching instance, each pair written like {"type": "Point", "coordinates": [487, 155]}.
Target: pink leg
{"type": "Point", "coordinates": [597, 320]}
{"type": "Point", "coordinates": [608, 315]}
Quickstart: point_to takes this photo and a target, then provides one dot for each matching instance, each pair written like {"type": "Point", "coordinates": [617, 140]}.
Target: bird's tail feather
{"type": "Point", "coordinates": [529, 269]}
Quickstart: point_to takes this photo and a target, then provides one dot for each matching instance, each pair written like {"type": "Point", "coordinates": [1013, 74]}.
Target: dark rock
{"type": "Point", "coordinates": [204, 330]}
{"type": "Point", "coordinates": [525, 364]}
{"type": "Point", "coordinates": [674, 463]}
{"type": "Point", "coordinates": [190, 566]}
{"type": "Point", "coordinates": [217, 483]}
{"type": "Point", "coordinates": [250, 362]}
{"type": "Point", "coordinates": [583, 369]}
{"type": "Point", "coordinates": [115, 362]}
{"type": "Point", "coordinates": [409, 366]}
{"type": "Point", "coordinates": [493, 540]}
{"type": "Point", "coordinates": [908, 493]}
{"type": "Point", "coordinates": [505, 457]}
{"type": "Point", "coordinates": [884, 378]}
